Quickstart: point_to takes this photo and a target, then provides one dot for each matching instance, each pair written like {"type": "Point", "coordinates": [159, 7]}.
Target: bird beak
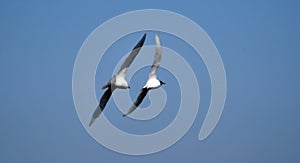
{"type": "Point", "coordinates": [163, 82]}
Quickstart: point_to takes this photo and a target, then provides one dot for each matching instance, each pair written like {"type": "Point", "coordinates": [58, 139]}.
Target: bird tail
{"type": "Point", "coordinates": [105, 86]}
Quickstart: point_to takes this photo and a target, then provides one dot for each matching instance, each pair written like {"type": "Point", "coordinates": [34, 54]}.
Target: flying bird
{"type": "Point", "coordinates": [117, 81]}
{"type": "Point", "coordinates": [152, 82]}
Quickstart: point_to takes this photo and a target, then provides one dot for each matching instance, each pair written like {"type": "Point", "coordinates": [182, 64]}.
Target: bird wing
{"type": "Point", "coordinates": [132, 55]}
{"type": "Point", "coordinates": [103, 101]}
{"type": "Point", "coordinates": [138, 101]}
{"type": "Point", "coordinates": [157, 58]}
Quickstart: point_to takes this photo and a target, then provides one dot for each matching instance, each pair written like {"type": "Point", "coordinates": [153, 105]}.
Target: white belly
{"type": "Point", "coordinates": [152, 83]}
{"type": "Point", "coordinates": [121, 83]}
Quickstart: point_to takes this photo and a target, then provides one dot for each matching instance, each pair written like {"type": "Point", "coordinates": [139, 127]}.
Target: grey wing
{"type": "Point", "coordinates": [103, 101]}
{"type": "Point", "coordinates": [138, 101]}
{"type": "Point", "coordinates": [157, 58]}
{"type": "Point", "coordinates": [131, 57]}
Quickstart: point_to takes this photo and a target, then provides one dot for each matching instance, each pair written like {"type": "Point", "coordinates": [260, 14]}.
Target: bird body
{"type": "Point", "coordinates": [152, 83]}
{"type": "Point", "coordinates": [120, 82]}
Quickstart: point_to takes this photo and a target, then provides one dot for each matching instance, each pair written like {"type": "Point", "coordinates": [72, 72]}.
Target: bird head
{"type": "Point", "coordinates": [162, 83]}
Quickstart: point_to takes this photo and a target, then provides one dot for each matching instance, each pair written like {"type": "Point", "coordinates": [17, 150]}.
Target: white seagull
{"type": "Point", "coordinates": [118, 80]}
{"type": "Point", "coordinates": [152, 82]}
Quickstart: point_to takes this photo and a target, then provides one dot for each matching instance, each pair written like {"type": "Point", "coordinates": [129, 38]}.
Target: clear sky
{"type": "Point", "coordinates": [257, 40]}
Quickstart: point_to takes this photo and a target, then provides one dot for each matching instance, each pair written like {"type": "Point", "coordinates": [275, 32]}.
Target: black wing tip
{"type": "Point", "coordinates": [144, 36]}
{"type": "Point", "coordinates": [140, 43]}
{"type": "Point", "coordinates": [143, 39]}
{"type": "Point", "coordinates": [91, 122]}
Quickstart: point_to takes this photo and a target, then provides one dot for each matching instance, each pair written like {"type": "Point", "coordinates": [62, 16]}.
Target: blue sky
{"type": "Point", "coordinates": [258, 42]}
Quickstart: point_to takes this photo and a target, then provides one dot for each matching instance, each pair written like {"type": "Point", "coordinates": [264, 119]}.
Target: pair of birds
{"type": "Point", "coordinates": [118, 80]}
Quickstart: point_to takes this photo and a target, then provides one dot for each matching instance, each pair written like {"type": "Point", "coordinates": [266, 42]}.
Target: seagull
{"type": "Point", "coordinates": [152, 82]}
{"type": "Point", "coordinates": [118, 80]}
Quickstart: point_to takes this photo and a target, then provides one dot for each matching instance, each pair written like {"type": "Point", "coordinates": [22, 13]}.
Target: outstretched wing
{"type": "Point", "coordinates": [157, 58]}
{"type": "Point", "coordinates": [138, 101]}
{"type": "Point", "coordinates": [103, 101]}
{"type": "Point", "coordinates": [131, 56]}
